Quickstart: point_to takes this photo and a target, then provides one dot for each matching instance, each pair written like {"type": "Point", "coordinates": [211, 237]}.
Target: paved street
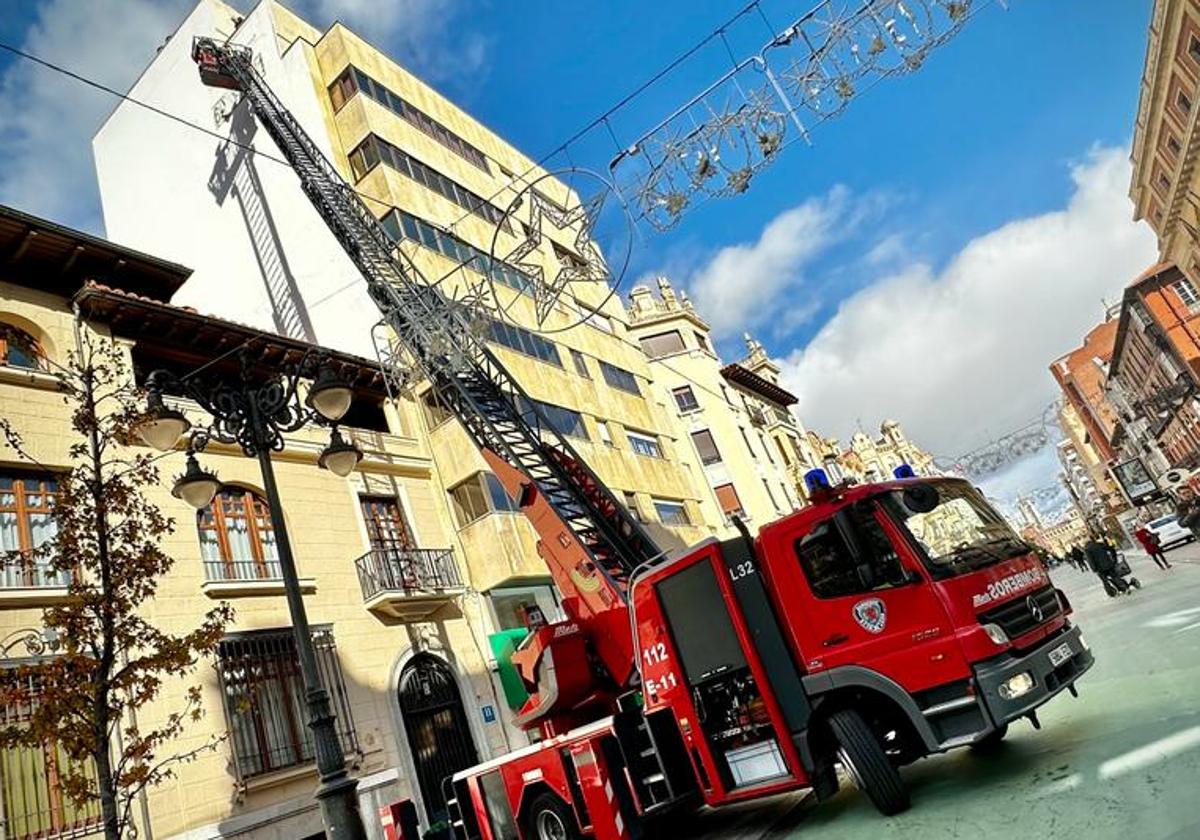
{"type": "Point", "coordinates": [1122, 761]}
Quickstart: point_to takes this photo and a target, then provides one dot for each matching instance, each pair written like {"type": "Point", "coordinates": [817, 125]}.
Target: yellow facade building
{"type": "Point", "coordinates": [396, 625]}
{"type": "Point", "coordinates": [1165, 177]}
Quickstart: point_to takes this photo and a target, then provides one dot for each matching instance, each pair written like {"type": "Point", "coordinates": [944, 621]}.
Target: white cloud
{"type": "Point", "coordinates": [960, 355]}
{"type": "Point", "coordinates": [48, 119]}
{"type": "Point", "coordinates": [735, 288]}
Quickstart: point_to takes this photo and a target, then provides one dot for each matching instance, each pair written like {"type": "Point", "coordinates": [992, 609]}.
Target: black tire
{"type": "Point", "coordinates": [867, 764]}
{"type": "Point", "coordinates": [1135, 583]}
{"type": "Point", "coordinates": [992, 741]}
{"type": "Point", "coordinates": [549, 818]}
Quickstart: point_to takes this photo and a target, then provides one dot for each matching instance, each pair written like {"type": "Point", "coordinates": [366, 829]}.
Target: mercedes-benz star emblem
{"type": "Point", "coordinates": [1035, 609]}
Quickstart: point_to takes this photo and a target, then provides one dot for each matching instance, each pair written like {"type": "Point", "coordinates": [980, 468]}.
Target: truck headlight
{"type": "Point", "coordinates": [1017, 686]}
{"type": "Point", "coordinates": [996, 633]}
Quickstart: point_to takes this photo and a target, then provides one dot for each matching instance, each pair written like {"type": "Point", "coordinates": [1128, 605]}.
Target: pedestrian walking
{"type": "Point", "coordinates": [1187, 510]}
{"type": "Point", "coordinates": [1153, 546]}
{"type": "Point", "coordinates": [1077, 559]}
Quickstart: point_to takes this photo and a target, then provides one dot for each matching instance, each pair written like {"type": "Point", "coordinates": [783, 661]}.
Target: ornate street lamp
{"type": "Point", "coordinates": [255, 412]}
{"type": "Point", "coordinates": [198, 487]}
{"type": "Point", "coordinates": [339, 457]}
{"type": "Point", "coordinates": [162, 427]}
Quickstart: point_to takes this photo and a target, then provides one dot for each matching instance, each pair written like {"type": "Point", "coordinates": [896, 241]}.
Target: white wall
{"type": "Point", "coordinates": [154, 176]}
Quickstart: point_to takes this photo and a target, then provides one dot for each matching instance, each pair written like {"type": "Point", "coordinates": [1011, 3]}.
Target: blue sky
{"type": "Point", "coordinates": [958, 224]}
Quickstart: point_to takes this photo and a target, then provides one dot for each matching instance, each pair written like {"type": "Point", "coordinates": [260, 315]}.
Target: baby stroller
{"type": "Point", "coordinates": [1114, 579]}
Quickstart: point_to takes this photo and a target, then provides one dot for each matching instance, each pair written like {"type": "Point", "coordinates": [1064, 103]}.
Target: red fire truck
{"type": "Point", "coordinates": [880, 624]}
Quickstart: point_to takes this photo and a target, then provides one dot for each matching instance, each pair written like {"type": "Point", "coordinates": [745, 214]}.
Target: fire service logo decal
{"type": "Point", "coordinates": [871, 615]}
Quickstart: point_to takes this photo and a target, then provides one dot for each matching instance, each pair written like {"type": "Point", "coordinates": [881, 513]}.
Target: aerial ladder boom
{"type": "Point", "coordinates": [589, 541]}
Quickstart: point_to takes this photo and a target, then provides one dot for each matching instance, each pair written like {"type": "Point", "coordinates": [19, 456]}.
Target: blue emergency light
{"type": "Point", "coordinates": [904, 471]}
{"type": "Point", "coordinates": [816, 480]}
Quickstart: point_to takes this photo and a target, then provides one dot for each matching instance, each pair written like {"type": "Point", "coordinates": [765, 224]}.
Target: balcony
{"type": "Point", "coordinates": [408, 583]}
{"type": "Point", "coordinates": [30, 582]}
{"type": "Point", "coordinates": [227, 578]}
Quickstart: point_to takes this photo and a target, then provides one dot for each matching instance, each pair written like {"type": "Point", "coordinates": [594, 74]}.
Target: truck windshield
{"type": "Point", "coordinates": [961, 532]}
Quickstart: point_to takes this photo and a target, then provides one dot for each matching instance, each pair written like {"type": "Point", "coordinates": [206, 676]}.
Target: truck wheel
{"type": "Point", "coordinates": [551, 819]}
{"type": "Point", "coordinates": [861, 754]}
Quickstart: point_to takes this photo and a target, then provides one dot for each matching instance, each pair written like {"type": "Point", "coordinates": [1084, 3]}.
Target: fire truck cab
{"type": "Point", "coordinates": [880, 624]}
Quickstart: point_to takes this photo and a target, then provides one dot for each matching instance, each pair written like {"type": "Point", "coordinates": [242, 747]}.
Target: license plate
{"type": "Point", "coordinates": [1060, 654]}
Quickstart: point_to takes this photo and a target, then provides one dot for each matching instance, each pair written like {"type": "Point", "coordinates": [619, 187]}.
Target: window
{"type": "Point", "coordinates": [26, 522]}
{"type": "Point", "coordinates": [436, 412]}
{"type": "Point", "coordinates": [783, 451]}
{"type": "Point", "coordinates": [725, 393]}
{"type": "Point", "coordinates": [595, 319]}
{"type": "Point", "coordinates": [19, 349]}
{"type": "Point", "coordinates": [1184, 102]}
{"type": "Point", "coordinates": [1194, 48]}
{"type": "Point", "coordinates": [662, 344]}
{"type": "Point", "coordinates": [685, 398]}
{"type": "Point", "coordinates": [746, 439]}
{"type": "Point", "coordinates": [566, 257]}
{"type": "Point", "coordinates": [1187, 292]}
{"type": "Point", "coordinates": [237, 541]}
{"type": "Point", "coordinates": [731, 504]}
{"type": "Point", "coordinates": [702, 342]}
{"type": "Point", "coordinates": [511, 604]}
{"type": "Point", "coordinates": [671, 513]}
{"type": "Point", "coordinates": [580, 364]}
{"type": "Point", "coordinates": [524, 341]}
{"type": "Point", "coordinates": [400, 225]}
{"type": "Point", "coordinates": [478, 496]}
{"type": "Point", "coordinates": [565, 421]}
{"type": "Point", "coordinates": [706, 446]}
{"type": "Point", "coordinates": [619, 378]}
{"type": "Point", "coordinates": [353, 80]}
{"type": "Point", "coordinates": [644, 444]}
{"type": "Point", "coordinates": [33, 803]}
{"type": "Point", "coordinates": [771, 496]}
{"type": "Point", "coordinates": [961, 532]}
{"type": "Point", "coordinates": [766, 449]}
{"type": "Point", "coordinates": [834, 569]}
{"type": "Point", "coordinates": [1173, 145]}
{"type": "Point", "coordinates": [387, 527]}
{"type": "Point", "coordinates": [260, 679]}
{"type": "Point", "coordinates": [632, 505]}
{"type": "Point", "coordinates": [1164, 181]}
{"type": "Point", "coordinates": [374, 150]}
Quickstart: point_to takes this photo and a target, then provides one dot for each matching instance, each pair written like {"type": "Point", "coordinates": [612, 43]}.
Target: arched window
{"type": "Point", "coordinates": [19, 349]}
{"type": "Point", "coordinates": [237, 541]}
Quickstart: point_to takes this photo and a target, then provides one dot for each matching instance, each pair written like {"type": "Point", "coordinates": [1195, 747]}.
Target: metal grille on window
{"type": "Point", "coordinates": [265, 706]}
{"type": "Point", "coordinates": [33, 802]}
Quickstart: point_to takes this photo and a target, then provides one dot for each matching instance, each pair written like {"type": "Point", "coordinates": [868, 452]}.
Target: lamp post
{"type": "Point", "coordinates": [254, 412]}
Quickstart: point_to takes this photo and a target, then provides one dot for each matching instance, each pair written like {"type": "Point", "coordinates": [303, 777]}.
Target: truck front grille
{"type": "Point", "coordinates": [1020, 615]}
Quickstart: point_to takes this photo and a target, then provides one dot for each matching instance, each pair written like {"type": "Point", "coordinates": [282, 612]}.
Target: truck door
{"type": "Point", "coordinates": [860, 598]}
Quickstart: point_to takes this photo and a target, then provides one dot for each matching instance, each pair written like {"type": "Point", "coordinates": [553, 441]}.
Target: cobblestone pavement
{"type": "Point", "coordinates": [1122, 761]}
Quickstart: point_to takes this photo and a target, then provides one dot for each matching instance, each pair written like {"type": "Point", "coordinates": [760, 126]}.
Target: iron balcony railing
{"type": "Point", "coordinates": [24, 570]}
{"type": "Point", "coordinates": [399, 569]}
{"type": "Point", "coordinates": [242, 570]}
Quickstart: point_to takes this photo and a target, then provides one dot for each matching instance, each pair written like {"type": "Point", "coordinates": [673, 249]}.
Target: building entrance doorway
{"type": "Point", "coordinates": [436, 724]}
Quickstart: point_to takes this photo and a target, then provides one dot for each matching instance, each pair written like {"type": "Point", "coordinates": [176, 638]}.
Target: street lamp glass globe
{"type": "Point", "coordinates": [162, 428]}
{"type": "Point", "coordinates": [196, 486]}
{"type": "Point", "coordinates": [340, 457]}
{"type": "Point", "coordinates": [329, 396]}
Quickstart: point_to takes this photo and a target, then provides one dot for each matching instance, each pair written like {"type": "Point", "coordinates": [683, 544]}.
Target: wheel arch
{"type": "Point", "coordinates": [534, 791]}
{"type": "Point", "coordinates": [868, 691]}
